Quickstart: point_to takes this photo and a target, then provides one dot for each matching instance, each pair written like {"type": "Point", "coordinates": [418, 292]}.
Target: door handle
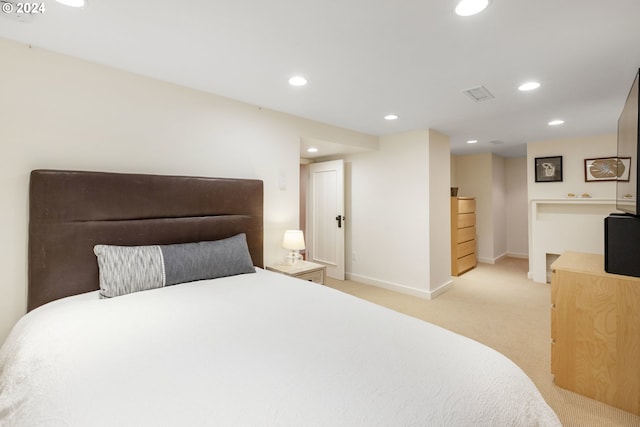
{"type": "Point", "coordinates": [339, 218]}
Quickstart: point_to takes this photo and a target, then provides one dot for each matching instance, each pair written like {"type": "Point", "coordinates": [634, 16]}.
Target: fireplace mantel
{"type": "Point", "coordinates": [565, 224]}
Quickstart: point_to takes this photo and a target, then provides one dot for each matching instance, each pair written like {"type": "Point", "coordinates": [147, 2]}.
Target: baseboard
{"type": "Point", "coordinates": [517, 255]}
{"type": "Point", "coordinates": [441, 289]}
{"type": "Point", "coordinates": [492, 260]}
{"type": "Point", "coordinates": [503, 256]}
{"type": "Point", "coordinates": [407, 290]}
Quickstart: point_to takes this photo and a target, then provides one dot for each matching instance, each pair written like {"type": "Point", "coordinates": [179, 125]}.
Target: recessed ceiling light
{"type": "Point", "coordinates": [312, 150]}
{"type": "Point", "coordinates": [528, 86]}
{"type": "Point", "coordinates": [73, 3]}
{"type": "Point", "coordinates": [391, 117]}
{"type": "Point", "coordinates": [471, 7]}
{"type": "Point", "coordinates": [297, 81]}
{"type": "Point", "coordinates": [555, 122]}
{"type": "Point", "coordinates": [472, 141]}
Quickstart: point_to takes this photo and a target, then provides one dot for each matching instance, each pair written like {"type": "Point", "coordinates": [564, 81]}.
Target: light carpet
{"type": "Point", "coordinates": [498, 306]}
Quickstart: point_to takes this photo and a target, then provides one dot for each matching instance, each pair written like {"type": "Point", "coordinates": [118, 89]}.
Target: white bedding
{"type": "Point", "coordinates": [258, 349]}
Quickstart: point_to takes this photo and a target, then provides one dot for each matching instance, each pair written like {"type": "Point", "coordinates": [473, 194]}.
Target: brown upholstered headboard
{"type": "Point", "coordinates": [71, 211]}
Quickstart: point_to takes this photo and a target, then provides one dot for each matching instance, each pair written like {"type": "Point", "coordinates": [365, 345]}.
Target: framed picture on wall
{"type": "Point", "coordinates": [548, 169]}
{"type": "Point", "coordinates": [607, 169]}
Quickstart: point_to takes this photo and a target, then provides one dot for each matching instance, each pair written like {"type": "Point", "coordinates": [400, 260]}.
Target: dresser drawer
{"type": "Point", "coordinates": [466, 205]}
{"type": "Point", "coordinates": [463, 234]}
{"type": "Point", "coordinates": [466, 234]}
{"type": "Point", "coordinates": [466, 220]}
{"type": "Point", "coordinates": [313, 276]}
{"type": "Point", "coordinates": [466, 248]}
{"type": "Point", "coordinates": [466, 263]}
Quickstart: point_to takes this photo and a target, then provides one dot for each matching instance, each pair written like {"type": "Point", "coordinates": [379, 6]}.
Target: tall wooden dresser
{"type": "Point", "coordinates": [463, 234]}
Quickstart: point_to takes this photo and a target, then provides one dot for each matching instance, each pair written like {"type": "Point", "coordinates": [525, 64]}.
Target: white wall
{"type": "Point", "coordinates": [573, 152]}
{"type": "Point", "coordinates": [62, 113]}
{"type": "Point", "coordinates": [517, 207]}
{"type": "Point", "coordinates": [439, 212]}
{"type": "Point", "coordinates": [453, 165]}
{"type": "Point", "coordinates": [499, 203]}
{"type": "Point", "coordinates": [392, 203]}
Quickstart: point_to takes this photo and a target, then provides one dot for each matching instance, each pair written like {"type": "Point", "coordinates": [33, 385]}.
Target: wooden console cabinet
{"type": "Point", "coordinates": [463, 234]}
{"type": "Point", "coordinates": [595, 331]}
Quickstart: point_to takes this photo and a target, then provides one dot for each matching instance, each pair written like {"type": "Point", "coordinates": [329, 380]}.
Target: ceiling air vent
{"type": "Point", "coordinates": [479, 94]}
{"type": "Point", "coordinates": [496, 142]}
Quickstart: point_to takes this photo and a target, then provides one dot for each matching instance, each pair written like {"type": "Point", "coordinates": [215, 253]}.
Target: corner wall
{"type": "Point", "coordinates": [398, 202]}
{"type": "Point", "coordinates": [475, 179]}
{"type": "Point", "coordinates": [488, 177]}
{"type": "Point", "coordinates": [439, 213]}
{"type": "Point", "coordinates": [517, 207]}
{"type": "Point", "coordinates": [499, 203]}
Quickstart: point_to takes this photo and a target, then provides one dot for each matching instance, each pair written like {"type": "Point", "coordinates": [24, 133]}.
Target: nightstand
{"type": "Point", "coordinates": [304, 270]}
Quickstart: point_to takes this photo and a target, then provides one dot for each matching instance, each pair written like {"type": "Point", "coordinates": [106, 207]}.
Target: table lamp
{"type": "Point", "coordinates": [294, 241]}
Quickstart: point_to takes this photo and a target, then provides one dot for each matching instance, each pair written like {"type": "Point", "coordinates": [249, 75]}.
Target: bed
{"type": "Point", "coordinates": [219, 348]}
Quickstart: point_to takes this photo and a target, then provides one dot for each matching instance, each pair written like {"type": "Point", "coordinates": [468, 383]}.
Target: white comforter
{"type": "Point", "coordinates": [252, 350]}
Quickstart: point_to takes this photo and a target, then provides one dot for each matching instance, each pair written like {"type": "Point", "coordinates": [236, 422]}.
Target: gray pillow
{"type": "Point", "coordinates": [127, 269]}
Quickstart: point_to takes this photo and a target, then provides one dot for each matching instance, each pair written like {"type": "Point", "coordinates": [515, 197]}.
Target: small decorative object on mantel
{"type": "Point", "coordinates": [607, 169]}
{"type": "Point", "coordinates": [548, 169]}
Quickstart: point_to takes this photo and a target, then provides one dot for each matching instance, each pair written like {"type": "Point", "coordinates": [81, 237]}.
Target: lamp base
{"type": "Point", "coordinates": [293, 257]}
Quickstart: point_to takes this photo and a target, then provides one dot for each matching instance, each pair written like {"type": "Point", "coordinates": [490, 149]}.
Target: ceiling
{"type": "Point", "coordinates": [367, 58]}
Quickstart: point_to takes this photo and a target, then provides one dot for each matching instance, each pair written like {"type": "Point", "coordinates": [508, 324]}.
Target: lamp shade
{"type": "Point", "coordinates": [293, 240]}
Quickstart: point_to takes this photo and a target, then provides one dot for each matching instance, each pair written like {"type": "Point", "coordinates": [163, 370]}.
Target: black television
{"type": "Point", "coordinates": [627, 196]}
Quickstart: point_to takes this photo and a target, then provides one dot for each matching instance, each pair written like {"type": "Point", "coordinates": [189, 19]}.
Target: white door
{"type": "Point", "coordinates": [325, 218]}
